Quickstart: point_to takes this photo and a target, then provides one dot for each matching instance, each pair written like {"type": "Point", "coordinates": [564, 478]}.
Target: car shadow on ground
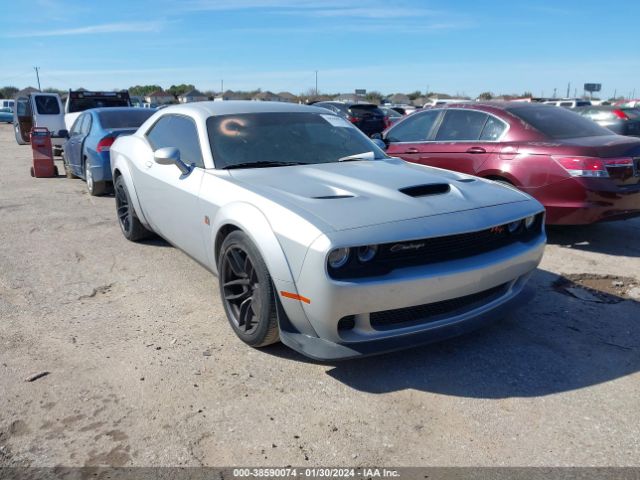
{"type": "Point", "coordinates": [557, 343]}
{"type": "Point", "coordinates": [612, 238]}
{"type": "Point", "coordinates": [155, 241]}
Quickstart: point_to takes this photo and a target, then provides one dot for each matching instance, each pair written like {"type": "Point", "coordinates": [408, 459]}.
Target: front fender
{"type": "Point", "coordinates": [253, 222]}
{"type": "Point", "coordinates": [120, 166]}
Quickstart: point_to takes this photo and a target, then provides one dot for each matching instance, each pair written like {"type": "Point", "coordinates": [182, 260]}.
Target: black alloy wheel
{"type": "Point", "coordinates": [247, 292]}
{"type": "Point", "coordinates": [130, 225]}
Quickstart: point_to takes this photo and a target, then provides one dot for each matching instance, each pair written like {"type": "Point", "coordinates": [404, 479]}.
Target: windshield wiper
{"type": "Point", "coordinates": [357, 157]}
{"type": "Point", "coordinates": [262, 164]}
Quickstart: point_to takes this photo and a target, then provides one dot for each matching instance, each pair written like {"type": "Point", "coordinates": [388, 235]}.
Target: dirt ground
{"type": "Point", "coordinates": [144, 370]}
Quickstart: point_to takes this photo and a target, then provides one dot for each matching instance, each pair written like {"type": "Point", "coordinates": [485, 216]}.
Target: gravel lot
{"type": "Point", "coordinates": [144, 369]}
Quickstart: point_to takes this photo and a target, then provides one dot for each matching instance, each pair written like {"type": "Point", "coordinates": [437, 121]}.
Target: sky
{"type": "Point", "coordinates": [451, 46]}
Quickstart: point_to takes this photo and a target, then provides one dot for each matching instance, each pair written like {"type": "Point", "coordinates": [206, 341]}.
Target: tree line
{"type": "Point", "coordinates": [309, 95]}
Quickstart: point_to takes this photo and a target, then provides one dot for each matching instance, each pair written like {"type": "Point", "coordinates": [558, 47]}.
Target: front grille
{"type": "Point", "coordinates": [434, 250]}
{"type": "Point", "coordinates": [432, 312]}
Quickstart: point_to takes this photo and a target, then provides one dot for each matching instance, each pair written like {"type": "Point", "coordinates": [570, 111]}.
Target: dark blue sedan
{"type": "Point", "coordinates": [86, 151]}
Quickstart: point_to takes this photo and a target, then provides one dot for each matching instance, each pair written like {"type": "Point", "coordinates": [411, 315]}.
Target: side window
{"type": "Point", "coordinates": [86, 125]}
{"type": "Point", "coordinates": [47, 105]}
{"type": "Point", "coordinates": [493, 129]}
{"type": "Point", "coordinates": [180, 132]}
{"type": "Point", "coordinates": [77, 126]}
{"type": "Point", "coordinates": [415, 128]}
{"type": "Point", "coordinates": [461, 126]}
{"type": "Point", "coordinates": [22, 108]}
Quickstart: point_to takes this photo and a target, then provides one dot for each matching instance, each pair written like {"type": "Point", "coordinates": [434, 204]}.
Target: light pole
{"type": "Point", "coordinates": [37, 76]}
{"type": "Point", "coordinates": [316, 83]}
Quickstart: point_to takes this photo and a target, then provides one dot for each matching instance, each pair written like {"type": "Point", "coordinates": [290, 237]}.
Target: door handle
{"type": "Point", "coordinates": [476, 150]}
{"type": "Point", "coordinates": [411, 150]}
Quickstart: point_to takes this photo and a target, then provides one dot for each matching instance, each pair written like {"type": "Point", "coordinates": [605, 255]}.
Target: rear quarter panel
{"type": "Point", "coordinates": [122, 155]}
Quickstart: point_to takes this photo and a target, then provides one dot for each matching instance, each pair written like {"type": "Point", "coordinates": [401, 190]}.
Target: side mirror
{"type": "Point", "coordinates": [171, 156]}
{"type": "Point", "coordinates": [379, 142]}
{"type": "Point", "coordinates": [63, 133]}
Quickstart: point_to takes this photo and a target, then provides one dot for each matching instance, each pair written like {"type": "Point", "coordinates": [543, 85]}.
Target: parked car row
{"type": "Point", "coordinates": [310, 224]}
{"type": "Point", "coordinates": [620, 120]}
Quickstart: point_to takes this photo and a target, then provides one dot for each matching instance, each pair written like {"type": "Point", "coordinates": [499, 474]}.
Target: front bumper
{"type": "Point", "coordinates": [326, 350]}
{"type": "Point", "coordinates": [362, 302]}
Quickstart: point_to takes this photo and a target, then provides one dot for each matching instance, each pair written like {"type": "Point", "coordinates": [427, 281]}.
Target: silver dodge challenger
{"type": "Point", "coordinates": [319, 239]}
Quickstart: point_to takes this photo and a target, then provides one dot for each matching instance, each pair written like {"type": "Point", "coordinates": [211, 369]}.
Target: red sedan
{"type": "Point", "coordinates": [581, 172]}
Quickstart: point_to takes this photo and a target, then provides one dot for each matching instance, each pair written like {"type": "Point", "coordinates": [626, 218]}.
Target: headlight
{"type": "Point", "coordinates": [366, 253]}
{"type": "Point", "coordinates": [513, 227]}
{"type": "Point", "coordinates": [529, 221]}
{"type": "Point", "coordinates": [338, 257]}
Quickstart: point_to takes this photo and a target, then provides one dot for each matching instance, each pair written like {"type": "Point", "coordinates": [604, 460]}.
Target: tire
{"type": "Point", "coordinates": [95, 189]}
{"type": "Point", "coordinates": [18, 135]}
{"type": "Point", "coordinates": [247, 292]}
{"type": "Point", "coordinates": [67, 168]}
{"type": "Point", "coordinates": [32, 172]}
{"type": "Point", "coordinates": [55, 171]}
{"type": "Point", "coordinates": [57, 152]}
{"type": "Point", "coordinates": [129, 223]}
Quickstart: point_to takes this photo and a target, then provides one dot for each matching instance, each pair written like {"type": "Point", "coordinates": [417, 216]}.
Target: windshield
{"type": "Point", "coordinates": [85, 103]}
{"type": "Point", "coordinates": [47, 105]}
{"type": "Point", "coordinates": [559, 123]}
{"type": "Point", "coordinates": [124, 118]}
{"type": "Point", "coordinates": [266, 139]}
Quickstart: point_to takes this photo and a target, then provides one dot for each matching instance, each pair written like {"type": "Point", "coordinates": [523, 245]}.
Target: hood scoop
{"type": "Point", "coordinates": [332, 197]}
{"type": "Point", "coordinates": [426, 190]}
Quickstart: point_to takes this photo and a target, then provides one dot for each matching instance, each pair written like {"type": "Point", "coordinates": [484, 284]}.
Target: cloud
{"type": "Point", "coordinates": [361, 27]}
{"type": "Point", "coordinates": [326, 8]}
{"type": "Point", "coordinates": [365, 12]}
{"type": "Point", "coordinates": [196, 5]}
{"type": "Point", "coordinates": [135, 27]}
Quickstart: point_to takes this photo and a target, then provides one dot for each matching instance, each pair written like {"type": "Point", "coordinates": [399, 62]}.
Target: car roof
{"type": "Point", "coordinates": [231, 107]}
{"type": "Point", "coordinates": [496, 107]}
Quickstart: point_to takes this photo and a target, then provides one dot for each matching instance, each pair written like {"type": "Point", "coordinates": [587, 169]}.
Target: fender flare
{"type": "Point", "coordinates": [253, 222]}
{"type": "Point", "coordinates": [248, 218]}
{"type": "Point", "coordinates": [121, 168]}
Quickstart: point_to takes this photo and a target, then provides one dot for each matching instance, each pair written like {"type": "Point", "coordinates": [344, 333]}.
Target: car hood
{"type": "Point", "coordinates": [363, 193]}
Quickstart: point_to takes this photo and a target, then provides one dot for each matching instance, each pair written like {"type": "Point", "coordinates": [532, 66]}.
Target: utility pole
{"type": "Point", "coordinates": [316, 83]}
{"type": "Point", "coordinates": [554, 92]}
{"type": "Point", "coordinates": [568, 89]}
{"type": "Point", "coordinates": [37, 76]}
{"type": "Point", "coordinates": [221, 87]}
